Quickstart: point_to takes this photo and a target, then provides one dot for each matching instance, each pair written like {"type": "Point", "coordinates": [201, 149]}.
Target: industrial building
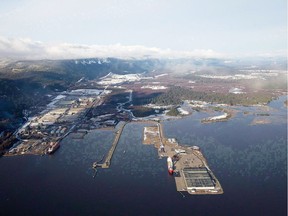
{"type": "Point", "coordinates": [198, 178]}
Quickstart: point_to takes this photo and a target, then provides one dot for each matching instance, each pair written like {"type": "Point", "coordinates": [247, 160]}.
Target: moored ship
{"type": "Point", "coordinates": [53, 147]}
{"type": "Point", "coordinates": [170, 165]}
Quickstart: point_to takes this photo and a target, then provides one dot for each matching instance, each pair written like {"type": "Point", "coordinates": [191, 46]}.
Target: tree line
{"type": "Point", "coordinates": [176, 94]}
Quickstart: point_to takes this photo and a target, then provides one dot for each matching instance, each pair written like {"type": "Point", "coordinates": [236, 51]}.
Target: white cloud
{"type": "Point", "coordinates": [28, 49]}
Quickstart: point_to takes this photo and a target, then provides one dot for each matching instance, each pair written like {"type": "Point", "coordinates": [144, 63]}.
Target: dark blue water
{"type": "Point", "coordinates": [249, 160]}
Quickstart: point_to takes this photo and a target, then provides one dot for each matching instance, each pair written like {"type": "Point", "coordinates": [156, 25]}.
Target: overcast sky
{"type": "Point", "coordinates": [236, 27]}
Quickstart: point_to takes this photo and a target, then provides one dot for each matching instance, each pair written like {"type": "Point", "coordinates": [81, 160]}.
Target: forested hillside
{"type": "Point", "coordinates": [176, 94]}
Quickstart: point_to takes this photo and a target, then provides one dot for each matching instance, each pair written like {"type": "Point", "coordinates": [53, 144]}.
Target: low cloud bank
{"type": "Point", "coordinates": [28, 49]}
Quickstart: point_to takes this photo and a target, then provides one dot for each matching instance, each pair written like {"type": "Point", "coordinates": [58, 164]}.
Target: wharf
{"type": "Point", "coordinates": [107, 161]}
{"type": "Point", "coordinates": [191, 171]}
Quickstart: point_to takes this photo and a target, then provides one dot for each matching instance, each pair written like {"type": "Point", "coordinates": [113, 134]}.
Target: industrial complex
{"type": "Point", "coordinates": [42, 134]}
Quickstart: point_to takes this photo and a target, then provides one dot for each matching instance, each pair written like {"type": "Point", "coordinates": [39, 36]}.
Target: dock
{"type": "Point", "coordinates": [191, 171]}
{"type": "Point", "coordinates": [107, 161]}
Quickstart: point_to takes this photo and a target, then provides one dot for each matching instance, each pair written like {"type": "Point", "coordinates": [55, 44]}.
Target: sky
{"type": "Point", "coordinates": [84, 28]}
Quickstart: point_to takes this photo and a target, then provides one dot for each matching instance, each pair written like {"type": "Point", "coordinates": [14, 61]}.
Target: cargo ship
{"type": "Point", "coordinates": [53, 147]}
{"type": "Point", "coordinates": [170, 165]}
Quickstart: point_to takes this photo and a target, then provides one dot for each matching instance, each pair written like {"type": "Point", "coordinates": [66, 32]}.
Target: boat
{"type": "Point", "coordinates": [170, 165]}
{"type": "Point", "coordinates": [53, 147]}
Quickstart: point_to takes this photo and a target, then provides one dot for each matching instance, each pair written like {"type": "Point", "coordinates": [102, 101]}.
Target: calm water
{"type": "Point", "coordinates": [249, 160]}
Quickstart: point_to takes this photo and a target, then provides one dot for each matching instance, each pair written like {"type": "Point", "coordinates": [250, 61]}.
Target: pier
{"type": "Point", "coordinates": [191, 171]}
{"type": "Point", "coordinates": [110, 153]}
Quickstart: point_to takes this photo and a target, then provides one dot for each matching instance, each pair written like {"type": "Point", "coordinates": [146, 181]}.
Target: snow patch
{"type": "Point", "coordinates": [225, 115]}
{"type": "Point", "coordinates": [182, 111]}
{"type": "Point", "coordinates": [153, 87]}
{"type": "Point", "coordinates": [112, 79]}
{"type": "Point", "coordinates": [59, 97]}
{"type": "Point", "coordinates": [160, 75]}
{"type": "Point", "coordinates": [236, 91]}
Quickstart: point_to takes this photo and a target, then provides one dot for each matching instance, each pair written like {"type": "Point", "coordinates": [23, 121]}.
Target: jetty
{"type": "Point", "coordinates": [191, 171]}
{"type": "Point", "coordinates": [107, 161]}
